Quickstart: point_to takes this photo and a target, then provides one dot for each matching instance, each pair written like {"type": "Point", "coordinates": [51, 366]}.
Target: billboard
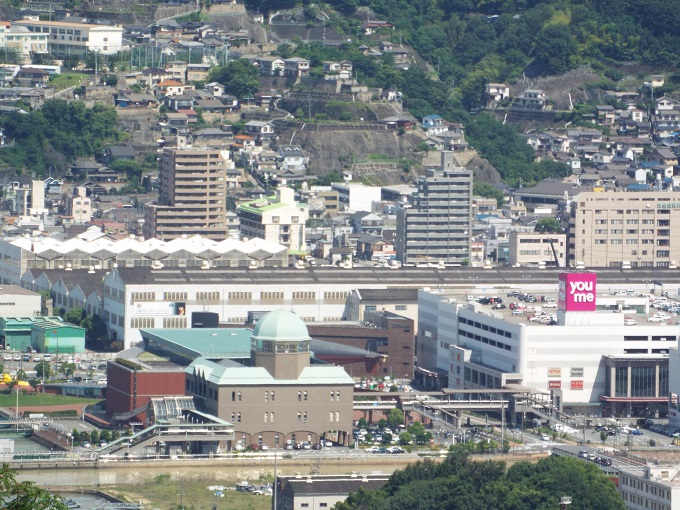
{"type": "Point", "coordinates": [554, 372]}
{"type": "Point", "coordinates": [576, 385]}
{"type": "Point", "coordinates": [159, 309]}
{"type": "Point", "coordinates": [554, 385]}
{"type": "Point", "coordinates": [577, 292]}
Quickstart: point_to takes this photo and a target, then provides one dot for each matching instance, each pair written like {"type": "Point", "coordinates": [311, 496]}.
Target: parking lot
{"type": "Point", "coordinates": [90, 368]}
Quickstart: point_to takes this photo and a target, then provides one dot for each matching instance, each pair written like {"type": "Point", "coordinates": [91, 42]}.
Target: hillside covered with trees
{"type": "Point", "coordinates": [469, 43]}
{"type": "Point", "coordinates": [458, 483]}
{"type": "Point", "coordinates": [56, 134]}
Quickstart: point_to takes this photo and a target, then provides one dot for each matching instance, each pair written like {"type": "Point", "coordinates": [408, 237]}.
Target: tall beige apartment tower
{"type": "Point", "coordinates": [625, 229]}
{"type": "Point", "coordinates": [192, 196]}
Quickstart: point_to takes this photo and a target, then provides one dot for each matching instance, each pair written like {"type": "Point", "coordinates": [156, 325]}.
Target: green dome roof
{"type": "Point", "coordinates": [281, 326]}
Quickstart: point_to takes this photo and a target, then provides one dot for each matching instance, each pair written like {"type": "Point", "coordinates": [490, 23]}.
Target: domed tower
{"type": "Point", "coordinates": [280, 343]}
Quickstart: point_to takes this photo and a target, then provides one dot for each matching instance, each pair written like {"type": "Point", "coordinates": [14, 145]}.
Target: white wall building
{"type": "Point", "coordinates": [18, 302]}
{"type": "Point", "coordinates": [23, 41]}
{"type": "Point", "coordinates": [650, 487]}
{"type": "Point", "coordinates": [67, 38]}
{"type": "Point", "coordinates": [356, 197]}
{"type": "Point", "coordinates": [137, 298]}
{"type": "Point", "coordinates": [583, 358]}
{"type": "Point", "coordinates": [277, 219]}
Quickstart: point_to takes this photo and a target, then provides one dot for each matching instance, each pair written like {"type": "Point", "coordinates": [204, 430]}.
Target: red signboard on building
{"type": "Point", "coordinates": [576, 385]}
{"type": "Point", "coordinates": [554, 385]}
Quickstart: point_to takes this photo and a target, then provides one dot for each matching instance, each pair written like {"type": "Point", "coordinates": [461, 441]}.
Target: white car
{"type": "Point", "coordinates": [7, 357]}
{"type": "Point", "coordinates": [656, 318]}
{"type": "Point", "coordinates": [518, 312]}
{"type": "Point", "coordinates": [550, 305]}
{"type": "Point", "coordinates": [629, 322]}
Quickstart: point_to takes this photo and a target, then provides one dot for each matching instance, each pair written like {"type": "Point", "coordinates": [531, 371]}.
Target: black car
{"type": "Point", "coordinates": [316, 446]}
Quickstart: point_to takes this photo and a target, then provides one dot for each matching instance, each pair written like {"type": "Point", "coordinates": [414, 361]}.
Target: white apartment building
{"type": "Point", "coordinates": [67, 38]}
{"type": "Point", "coordinates": [650, 487]}
{"type": "Point", "coordinates": [436, 224]}
{"type": "Point", "coordinates": [629, 229]}
{"type": "Point", "coordinates": [278, 219]}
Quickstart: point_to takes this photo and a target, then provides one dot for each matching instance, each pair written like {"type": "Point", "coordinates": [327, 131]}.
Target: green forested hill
{"type": "Point", "coordinates": [471, 47]}
{"type": "Point", "coordinates": [55, 135]}
{"type": "Point", "coordinates": [473, 42]}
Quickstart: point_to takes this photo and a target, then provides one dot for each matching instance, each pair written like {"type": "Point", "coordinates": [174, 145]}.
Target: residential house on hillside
{"type": "Point", "coordinates": [213, 136]}
{"type": "Point", "coordinates": [296, 67]}
{"type": "Point", "coordinates": [293, 158]}
{"type": "Point", "coordinates": [179, 102]}
{"type": "Point", "coordinates": [434, 125]}
{"type": "Point", "coordinates": [262, 131]}
{"type": "Point", "coordinates": [32, 77]}
{"type": "Point", "coordinates": [153, 75]}
{"type": "Point", "coordinates": [271, 66]}
{"type": "Point", "coordinates": [605, 114]}
{"type": "Point", "coordinates": [532, 99]}
{"type": "Point", "coordinates": [663, 157]}
{"type": "Point", "coordinates": [496, 92]}
{"type": "Point", "coordinates": [665, 103]}
{"type": "Point", "coordinates": [370, 27]}
{"type": "Point", "coordinates": [197, 72]}
{"type": "Point", "coordinates": [215, 89]}
{"type": "Point", "coordinates": [170, 88]}
{"type": "Point", "coordinates": [118, 152]}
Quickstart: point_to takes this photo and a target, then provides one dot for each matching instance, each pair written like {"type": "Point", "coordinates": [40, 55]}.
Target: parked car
{"type": "Point", "coordinates": [636, 432]}
{"type": "Point", "coordinates": [498, 306]}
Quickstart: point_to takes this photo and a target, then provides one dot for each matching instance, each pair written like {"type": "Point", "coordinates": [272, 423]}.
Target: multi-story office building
{"type": "Point", "coordinates": [435, 226]}
{"type": "Point", "coordinates": [192, 197]}
{"type": "Point", "coordinates": [528, 249]}
{"type": "Point", "coordinates": [624, 229]}
{"type": "Point", "coordinates": [279, 219]}
{"type": "Point", "coordinates": [67, 38]}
